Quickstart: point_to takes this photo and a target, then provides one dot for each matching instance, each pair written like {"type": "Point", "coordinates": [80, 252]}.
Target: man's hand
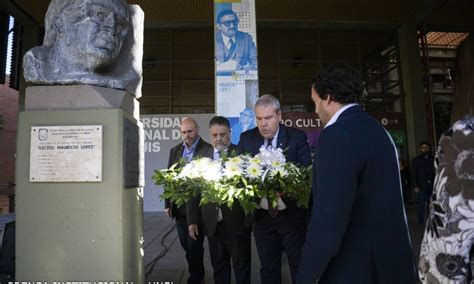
{"type": "Point", "coordinates": [169, 211]}
{"type": "Point", "coordinates": [417, 189]}
{"type": "Point", "coordinates": [193, 231]}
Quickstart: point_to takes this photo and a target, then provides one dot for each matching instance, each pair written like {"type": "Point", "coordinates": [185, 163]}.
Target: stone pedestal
{"type": "Point", "coordinates": [82, 231]}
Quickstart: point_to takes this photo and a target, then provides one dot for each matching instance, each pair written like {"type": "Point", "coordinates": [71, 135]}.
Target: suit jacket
{"type": "Point", "coordinates": [358, 231]}
{"type": "Point", "coordinates": [244, 53]}
{"type": "Point", "coordinates": [423, 172]}
{"type": "Point", "coordinates": [295, 147]}
{"type": "Point", "coordinates": [202, 150]}
{"type": "Point", "coordinates": [207, 215]}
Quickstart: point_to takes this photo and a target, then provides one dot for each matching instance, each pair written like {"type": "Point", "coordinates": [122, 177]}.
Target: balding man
{"type": "Point", "coordinates": [193, 146]}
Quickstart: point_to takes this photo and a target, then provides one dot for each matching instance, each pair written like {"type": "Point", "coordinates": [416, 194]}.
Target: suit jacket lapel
{"type": "Point", "coordinates": [179, 153]}
{"type": "Point", "coordinates": [282, 139]}
{"type": "Point", "coordinates": [199, 152]}
{"type": "Point", "coordinates": [239, 46]}
{"type": "Point", "coordinates": [259, 140]}
{"type": "Point", "coordinates": [220, 47]}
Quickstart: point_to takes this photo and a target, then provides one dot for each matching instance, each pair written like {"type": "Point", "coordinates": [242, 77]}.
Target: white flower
{"type": "Point", "coordinates": [276, 164]}
{"type": "Point", "coordinates": [254, 171]}
{"type": "Point", "coordinates": [447, 261]}
{"type": "Point", "coordinates": [201, 168]}
{"type": "Point", "coordinates": [202, 163]}
{"type": "Point", "coordinates": [232, 169]}
{"type": "Point", "coordinates": [278, 170]}
{"type": "Point", "coordinates": [189, 171]}
{"type": "Point", "coordinates": [234, 161]}
{"type": "Point", "coordinates": [213, 171]}
{"type": "Point", "coordinates": [269, 156]}
{"type": "Point", "coordinates": [254, 162]}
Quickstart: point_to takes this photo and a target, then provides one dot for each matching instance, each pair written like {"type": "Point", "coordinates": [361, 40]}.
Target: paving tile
{"type": "Point", "coordinates": [173, 266]}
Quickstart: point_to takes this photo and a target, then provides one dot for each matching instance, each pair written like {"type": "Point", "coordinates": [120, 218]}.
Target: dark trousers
{"type": "Point", "coordinates": [423, 205]}
{"type": "Point", "coordinates": [194, 251]}
{"type": "Point", "coordinates": [272, 236]}
{"type": "Point", "coordinates": [223, 247]}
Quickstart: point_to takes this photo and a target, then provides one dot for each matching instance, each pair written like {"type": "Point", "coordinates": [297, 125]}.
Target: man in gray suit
{"type": "Point", "coordinates": [227, 231]}
{"type": "Point", "coordinates": [193, 146]}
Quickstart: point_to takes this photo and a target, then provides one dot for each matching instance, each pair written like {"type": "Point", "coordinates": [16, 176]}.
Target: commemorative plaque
{"type": "Point", "coordinates": [66, 153]}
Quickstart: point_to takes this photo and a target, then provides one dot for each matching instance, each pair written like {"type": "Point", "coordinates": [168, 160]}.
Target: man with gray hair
{"type": "Point", "coordinates": [84, 40]}
{"type": "Point", "coordinates": [284, 227]}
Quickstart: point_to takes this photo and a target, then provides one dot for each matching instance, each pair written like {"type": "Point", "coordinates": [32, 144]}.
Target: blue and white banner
{"type": "Point", "coordinates": [236, 64]}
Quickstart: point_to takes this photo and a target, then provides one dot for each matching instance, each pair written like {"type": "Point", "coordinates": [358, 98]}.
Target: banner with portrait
{"type": "Point", "coordinates": [236, 64]}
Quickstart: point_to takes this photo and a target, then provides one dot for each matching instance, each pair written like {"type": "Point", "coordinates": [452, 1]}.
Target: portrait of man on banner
{"type": "Point", "coordinates": [234, 50]}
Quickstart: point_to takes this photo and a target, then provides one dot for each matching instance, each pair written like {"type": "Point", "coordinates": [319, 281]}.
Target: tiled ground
{"type": "Point", "coordinates": [172, 267]}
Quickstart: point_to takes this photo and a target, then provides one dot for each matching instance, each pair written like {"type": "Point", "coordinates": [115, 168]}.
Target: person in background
{"type": "Point", "coordinates": [422, 178]}
{"type": "Point", "coordinates": [404, 178]}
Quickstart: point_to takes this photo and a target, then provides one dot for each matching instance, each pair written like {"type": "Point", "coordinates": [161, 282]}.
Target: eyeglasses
{"type": "Point", "coordinates": [229, 23]}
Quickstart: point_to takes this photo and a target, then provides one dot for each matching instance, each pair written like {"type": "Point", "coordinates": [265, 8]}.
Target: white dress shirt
{"type": "Point", "coordinates": [274, 140]}
{"type": "Point", "coordinates": [226, 41]}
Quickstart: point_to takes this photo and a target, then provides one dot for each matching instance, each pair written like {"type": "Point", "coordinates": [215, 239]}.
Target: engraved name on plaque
{"type": "Point", "coordinates": [66, 153]}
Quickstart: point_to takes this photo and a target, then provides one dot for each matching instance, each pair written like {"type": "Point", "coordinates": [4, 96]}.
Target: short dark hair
{"type": "Point", "coordinates": [225, 13]}
{"type": "Point", "coordinates": [342, 82]}
{"type": "Point", "coordinates": [426, 143]}
{"type": "Point", "coordinates": [219, 120]}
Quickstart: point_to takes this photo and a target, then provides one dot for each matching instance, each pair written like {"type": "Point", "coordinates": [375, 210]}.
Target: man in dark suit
{"type": "Point", "coordinates": [423, 173]}
{"type": "Point", "coordinates": [192, 147]}
{"type": "Point", "coordinates": [235, 50]}
{"type": "Point", "coordinates": [358, 231]}
{"type": "Point", "coordinates": [281, 228]}
{"type": "Point", "coordinates": [226, 230]}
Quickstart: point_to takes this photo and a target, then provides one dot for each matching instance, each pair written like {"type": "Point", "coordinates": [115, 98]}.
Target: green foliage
{"type": "Point", "coordinates": [296, 185]}
{"type": "Point", "coordinates": [216, 182]}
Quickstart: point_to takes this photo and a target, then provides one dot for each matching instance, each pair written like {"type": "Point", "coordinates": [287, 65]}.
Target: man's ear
{"type": "Point", "coordinates": [328, 99]}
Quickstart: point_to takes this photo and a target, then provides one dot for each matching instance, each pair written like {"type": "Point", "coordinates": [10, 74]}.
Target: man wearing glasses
{"type": "Point", "coordinates": [235, 50]}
